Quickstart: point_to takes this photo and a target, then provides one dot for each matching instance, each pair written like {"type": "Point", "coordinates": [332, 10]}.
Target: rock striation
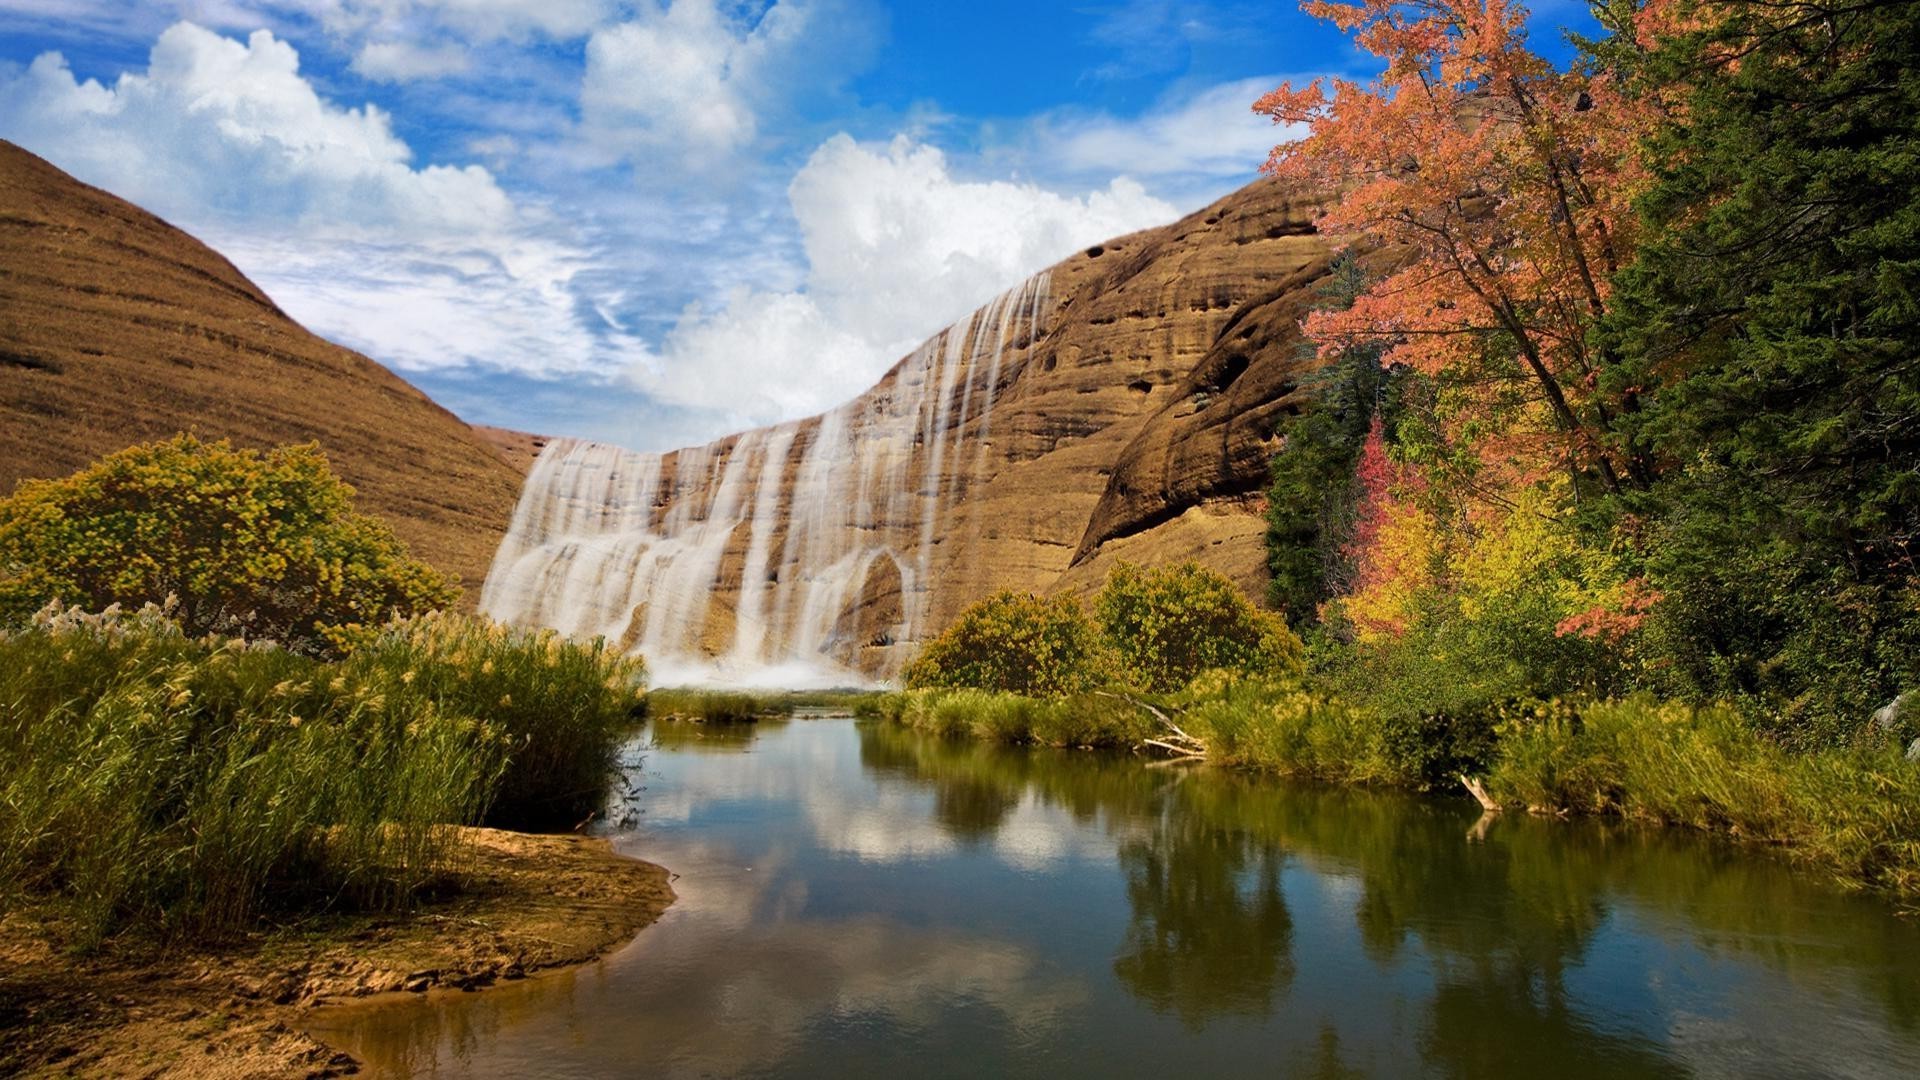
{"type": "Point", "coordinates": [1121, 405]}
{"type": "Point", "coordinates": [117, 328]}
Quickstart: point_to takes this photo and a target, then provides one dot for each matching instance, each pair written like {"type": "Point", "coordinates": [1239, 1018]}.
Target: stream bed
{"type": "Point", "coordinates": [860, 900]}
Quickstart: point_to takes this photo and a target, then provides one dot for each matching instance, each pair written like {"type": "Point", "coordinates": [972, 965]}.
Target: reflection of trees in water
{"type": "Point", "coordinates": [1501, 918]}
{"type": "Point", "coordinates": [1502, 1018]}
{"type": "Point", "coordinates": [1210, 933]}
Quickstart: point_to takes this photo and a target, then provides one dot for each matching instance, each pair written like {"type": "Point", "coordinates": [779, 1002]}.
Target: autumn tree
{"type": "Point", "coordinates": [1505, 185]}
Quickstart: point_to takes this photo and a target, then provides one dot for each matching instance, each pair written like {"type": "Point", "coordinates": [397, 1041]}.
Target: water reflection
{"type": "Point", "coordinates": [861, 899]}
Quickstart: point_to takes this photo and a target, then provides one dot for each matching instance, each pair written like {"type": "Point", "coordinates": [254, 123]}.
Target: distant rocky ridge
{"type": "Point", "coordinates": [1122, 405]}
{"type": "Point", "coordinates": [117, 328]}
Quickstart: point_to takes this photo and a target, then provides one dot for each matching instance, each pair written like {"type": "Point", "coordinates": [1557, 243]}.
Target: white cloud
{"type": "Point", "coordinates": [218, 127]}
{"type": "Point", "coordinates": [486, 20]}
{"type": "Point", "coordinates": [1210, 132]}
{"type": "Point", "coordinates": [897, 247]}
{"type": "Point", "coordinates": [405, 61]}
{"type": "Point", "coordinates": [690, 78]}
{"type": "Point", "coordinates": [423, 266]}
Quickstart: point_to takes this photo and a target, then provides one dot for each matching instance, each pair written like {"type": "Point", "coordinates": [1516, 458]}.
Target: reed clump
{"type": "Point", "coordinates": [185, 785]}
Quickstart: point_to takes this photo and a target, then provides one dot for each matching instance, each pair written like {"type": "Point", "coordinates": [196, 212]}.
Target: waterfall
{"type": "Point", "coordinates": [796, 554]}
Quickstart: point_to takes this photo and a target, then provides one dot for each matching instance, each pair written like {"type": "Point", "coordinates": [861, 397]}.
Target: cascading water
{"type": "Point", "coordinates": [822, 519]}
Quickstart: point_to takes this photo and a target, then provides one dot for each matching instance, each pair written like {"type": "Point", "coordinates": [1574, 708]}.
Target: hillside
{"type": "Point", "coordinates": [117, 328]}
{"type": "Point", "coordinates": [1121, 405]}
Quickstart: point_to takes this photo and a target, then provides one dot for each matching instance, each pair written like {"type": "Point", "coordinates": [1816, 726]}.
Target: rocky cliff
{"type": "Point", "coordinates": [116, 328]}
{"type": "Point", "coordinates": [1121, 405]}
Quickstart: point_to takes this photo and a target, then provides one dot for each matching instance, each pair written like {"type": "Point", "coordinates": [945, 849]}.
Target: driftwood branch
{"type": "Point", "coordinates": [1183, 751]}
{"type": "Point", "coordinates": [1176, 741]}
{"type": "Point", "coordinates": [1479, 793]}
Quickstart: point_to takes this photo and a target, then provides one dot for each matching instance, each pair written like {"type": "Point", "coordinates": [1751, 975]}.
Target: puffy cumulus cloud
{"type": "Point", "coordinates": [420, 265]}
{"type": "Point", "coordinates": [690, 78]}
{"type": "Point", "coordinates": [897, 247]}
{"type": "Point", "coordinates": [217, 127]}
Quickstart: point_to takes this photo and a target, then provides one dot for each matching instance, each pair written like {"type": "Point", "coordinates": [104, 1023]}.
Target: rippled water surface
{"type": "Point", "coordinates": [861, 901]}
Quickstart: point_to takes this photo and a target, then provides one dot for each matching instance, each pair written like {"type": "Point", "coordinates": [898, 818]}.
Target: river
{"type": "Point", "coordinates": [858, 900]}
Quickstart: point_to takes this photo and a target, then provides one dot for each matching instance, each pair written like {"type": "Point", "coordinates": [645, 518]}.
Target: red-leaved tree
{"type": "Point", "coordinates": [1507, 186]}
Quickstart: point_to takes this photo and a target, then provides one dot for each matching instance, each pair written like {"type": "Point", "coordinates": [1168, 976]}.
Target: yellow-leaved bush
{"type": "Point", "coordinates": [262, 545]}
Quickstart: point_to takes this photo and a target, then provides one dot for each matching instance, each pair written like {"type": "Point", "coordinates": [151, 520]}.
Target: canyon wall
{"type": "Point", "coordinates": [1120, 405]}
{"type": "Point", "coordinates": [117, 328]}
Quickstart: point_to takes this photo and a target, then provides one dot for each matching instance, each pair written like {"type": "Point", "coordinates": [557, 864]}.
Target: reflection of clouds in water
{"type": "Point", "coordinates": [844, 909]}
{"type": "Point", "coordinates": [769, 991]}
{"type": "Point", "coordinates": [740, 955]}
{"type": "Point", "coordinates": [894, 830]}
{"type": "Point", "coordinates": [1036, 837]}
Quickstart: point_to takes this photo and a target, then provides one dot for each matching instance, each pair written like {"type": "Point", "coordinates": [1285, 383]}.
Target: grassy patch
{"type": "Point", "coordinates": [1077, 720]}
{"type": "Point", "coordinates": [744, 706]}
{"type": "Point", "coordinates": [153, 780]}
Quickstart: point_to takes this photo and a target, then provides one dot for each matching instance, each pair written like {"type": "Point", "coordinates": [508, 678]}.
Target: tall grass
{"type": "Point", "coordinates": [1077, 720]}
{"type": "Point", "coordinates": [712, 706]}
{"type": "Point", "coordinates": [149, 779]}
{"type": "Point", "coordinates": [1855, 811]}
{"type": "Point", "coordinates": [562, 706]}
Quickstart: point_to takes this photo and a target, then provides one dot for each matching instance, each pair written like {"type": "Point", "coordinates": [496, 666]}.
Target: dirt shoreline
{"type": "Point", "coordinates": [523, 903]}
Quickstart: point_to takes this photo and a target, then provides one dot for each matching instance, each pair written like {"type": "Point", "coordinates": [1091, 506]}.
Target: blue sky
{"type": "Point", "coordinates": [651, 221]}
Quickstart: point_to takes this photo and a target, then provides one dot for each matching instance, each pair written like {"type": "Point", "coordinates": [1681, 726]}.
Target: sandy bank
{"type": "Point", "coordinates": [520, 904]}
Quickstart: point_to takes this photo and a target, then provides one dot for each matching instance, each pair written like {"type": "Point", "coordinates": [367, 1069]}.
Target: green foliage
{"type": "Point", "coordinates": [262, 545]}
{"type": "Point", "coordinates": [1166, 626]}
{"type": "Point", "coordinates": [1279, 727]}
{"type": "Point", "coordinates": [187, 785]}
{"type": "Point", "coordinates": [153, 780]}
{"type": "Point", "coordinates": [707, 706]}
{"type": "Point", "coordinates": [1769, 328]}
{"type": "Point", "coordinates": [1310, 494]}
{"type": "Point", "coordinates": [1855, 812]}
{"type": "Point", "coordinates": [1016, 643]}
{"type": "Point", "coordinates": [1076, 720]}
{"type": "Point", "coordinates": [562, 705]}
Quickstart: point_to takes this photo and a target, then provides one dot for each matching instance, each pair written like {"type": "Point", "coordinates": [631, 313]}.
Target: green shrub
{"type": "Point", "coordinates": [1168, 625]}
{"type": "Point", "coordinates": [1017, 643]}
{"type": "Point", "coordinates": [1078, 720]}
{"type": "Point", "coordinates": [246, 544]}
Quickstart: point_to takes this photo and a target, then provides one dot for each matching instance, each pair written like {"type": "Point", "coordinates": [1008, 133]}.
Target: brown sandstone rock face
{"type": "Point", "coordinates": [1133, 392]}
{"type": "Point", "coordinates": [116, 328]}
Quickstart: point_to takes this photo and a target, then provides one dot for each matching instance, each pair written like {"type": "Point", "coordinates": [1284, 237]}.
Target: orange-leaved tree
{"type": "Point", "coordinates": [1506, 186]}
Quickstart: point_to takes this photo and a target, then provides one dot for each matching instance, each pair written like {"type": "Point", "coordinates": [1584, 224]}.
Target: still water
{"type": "Point", "coordinates": [856, 900]}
